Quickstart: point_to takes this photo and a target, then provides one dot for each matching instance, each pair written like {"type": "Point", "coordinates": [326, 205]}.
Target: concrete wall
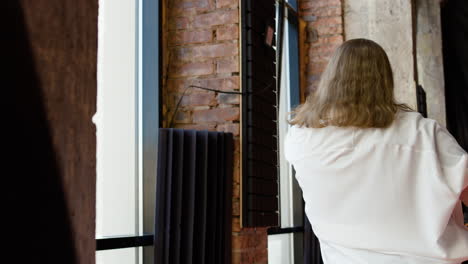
{"type": "Point", "coordinates": [429, 57]}
{"type": "Point", "coordinates": [389, 23]}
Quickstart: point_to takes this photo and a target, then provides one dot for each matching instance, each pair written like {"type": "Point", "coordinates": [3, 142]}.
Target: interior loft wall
{"type": "Point", "coordinates": [429, 57]}
{"type": "Point", "coordinates": [389, 23]}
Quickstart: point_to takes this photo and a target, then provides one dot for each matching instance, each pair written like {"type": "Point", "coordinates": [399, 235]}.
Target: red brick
{"type": "Point", "coordinates": [321, 12]}
{"type": "Point", "coordinates": [332, 41]}
{"type": "Point", "coordinates": [237, 158]}
{"type": "Point", "coordinates": [184, 4]}
{"type": "Point", "coordinates": [329, 30]}
{"type": "Point", "coordinates": [236, 258]}
{"type": "Point", "coordinates": [317, 67]}
{"type": "Point", "coordinates": [228, 98]}
{"type": "Point", "coordinates": [229, 127]}
{"type": "Point", "coordinates": [239, 241]}
{"type": "Point", "coordinates": [206, 51]}
{"type": "Point", "coordinates": [227, 65]}
{"type": "Point", "coordinates": [210, 127]}
{"type": "Point", "coordinates": [190, 37]}
{"type": "Point", "coordinates": [182, 12]}
{"type": "Point", "coordinates": [236, 174]}
{"type": "Point", "coordinates": [323, 50]}
{"type": "Point", "coordinates": [225, 84]}
{"type": "Point", "coordinates": [331, 11]}
{"type": "Point", "coordinates": [315, 57]}
{"type": "Point", "coordinates": [226, 3]}
{"type": "Point", "coordinates": [201, 5]}
{"type": "Point", "coordinates": [318, 3]}
{"type": "Point", "coordinates": [192, 69]}
{"type": "Point", "coordinates": [235, 208]}
{"type": "Point", "coordinates": [228, 32]}
{"type": "Point", "coordinates": [194, 99]}
{"type": "Point", "coordinates": [236, 224]}
{"type": "Point", "coordinates": [216, 18]}
{"type": "Point", "coordinates": [179, 23]}
{"type": "Point", "coordinates": [327, 21]}
{"type": "Point", "coordinates": [261, 256]}
{"type": "Point", "coordinates": [206, 5]}
{"type": "Point", "coordinates": [218, 115]}
{"type": "Point", "coordinates": [182, 117]}
{"type": "Point", "coordinates": [236, 144]}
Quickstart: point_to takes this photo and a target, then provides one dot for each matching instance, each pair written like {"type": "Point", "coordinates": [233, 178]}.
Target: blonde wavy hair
{"type": "Point", "coordinates": [356, 89]}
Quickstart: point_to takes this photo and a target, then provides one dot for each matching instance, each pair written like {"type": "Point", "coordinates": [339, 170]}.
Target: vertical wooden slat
{"type": "Point", "coordinates": [188, 197]}
{"type": "Point", "coordinates": [228, 174]}
{"type": "Point", "coordinates": [168, 196]}
{"type": "Point", "coordinates": [194, 191]}
{"type": "Point", "coordinates": [221, 205]}
{"type": "Point", "coordinates": [212, 199]}
{"type": "Point", "coordinates": [159, 237]}
{"type": "Point", "coordinates": [176, 210]}
{"type": "Point", "coordinates": [200, 197]}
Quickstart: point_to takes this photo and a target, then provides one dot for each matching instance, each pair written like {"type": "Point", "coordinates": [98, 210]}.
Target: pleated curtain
{"type": "Point", "coordinates": [193, 197]}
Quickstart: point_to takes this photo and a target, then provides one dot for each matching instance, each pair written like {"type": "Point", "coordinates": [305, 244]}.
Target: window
{"type": "Point", "coordinates": [271, 195]}
{"type": "Point", "coordinates": [285, 243]}
{"type": "Point", "coordinates": [259, 111]}
{"type": "Point", "coordinates": [127, 122]}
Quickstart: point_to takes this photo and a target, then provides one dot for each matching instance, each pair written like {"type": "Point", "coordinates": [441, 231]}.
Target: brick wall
{"type": "Point", "coordinates": [324, 34]}
{"type": "Point", "coordinates": [201, 47]}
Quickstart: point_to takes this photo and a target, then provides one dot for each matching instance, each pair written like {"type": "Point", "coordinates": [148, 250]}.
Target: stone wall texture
{"type": "Point", "coordinates": [389, 23]}
{"type": "Point", "coordinates": [429, 57]}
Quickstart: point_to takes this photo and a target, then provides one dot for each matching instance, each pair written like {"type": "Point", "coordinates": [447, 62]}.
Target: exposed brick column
{"type": "Point", "coordinates": [202, 47]}
{"type": "Point", "coordinates": [324, 34]}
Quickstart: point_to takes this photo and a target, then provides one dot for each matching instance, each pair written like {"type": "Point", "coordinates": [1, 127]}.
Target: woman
{"type": "Point", "coordinates": [381, 184]}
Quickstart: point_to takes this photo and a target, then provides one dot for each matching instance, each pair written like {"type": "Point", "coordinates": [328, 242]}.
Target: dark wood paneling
{"type": "Point", "coordinates": [55, 101]}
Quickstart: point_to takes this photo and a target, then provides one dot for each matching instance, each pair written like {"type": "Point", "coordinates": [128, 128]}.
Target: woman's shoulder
{"type": "Point", "coordinates": [429, 133]}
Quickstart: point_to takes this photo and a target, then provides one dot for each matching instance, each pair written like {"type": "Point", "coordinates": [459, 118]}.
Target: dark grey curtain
{"type": "Point", "coordinates": [312, 254]}
{"type": "Point", "coordinates": [193, 197]}
{"type": "Point", "coordinates": [454, 17]}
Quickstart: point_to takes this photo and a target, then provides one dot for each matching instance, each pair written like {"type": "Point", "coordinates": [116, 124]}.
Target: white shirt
{"type": "Point", "coordinates": [383, 195]}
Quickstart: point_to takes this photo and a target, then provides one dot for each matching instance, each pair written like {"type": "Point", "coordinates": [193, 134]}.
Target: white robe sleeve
{"type": "Point", "coordinates": [454, 160]}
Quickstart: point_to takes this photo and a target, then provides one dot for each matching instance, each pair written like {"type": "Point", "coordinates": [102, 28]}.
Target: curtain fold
{"type": "Point", "coordinates": [193, 197]}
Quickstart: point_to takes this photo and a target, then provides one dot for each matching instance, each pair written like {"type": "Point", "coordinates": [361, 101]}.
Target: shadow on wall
{"type": "Point", "coordinates": [38, 228]}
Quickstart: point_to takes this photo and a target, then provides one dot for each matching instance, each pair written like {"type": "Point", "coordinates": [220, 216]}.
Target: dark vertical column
{"type": "Point", "coordinates": [259, 113]}
{"type": "Point", "coordinates": [200, 198]}
{"type": "Point", "coordinates": [52, 50]}
{"type": "Point", "coordinates": [455, 52]}
{"type": "Point", "coordinates": [188, 190]}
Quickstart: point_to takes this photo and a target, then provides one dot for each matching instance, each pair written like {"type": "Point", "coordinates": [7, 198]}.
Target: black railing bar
{"type": "Point", "coordinates": [286, 230]}
{"type": "Point", "coordinates": [124, 242]}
